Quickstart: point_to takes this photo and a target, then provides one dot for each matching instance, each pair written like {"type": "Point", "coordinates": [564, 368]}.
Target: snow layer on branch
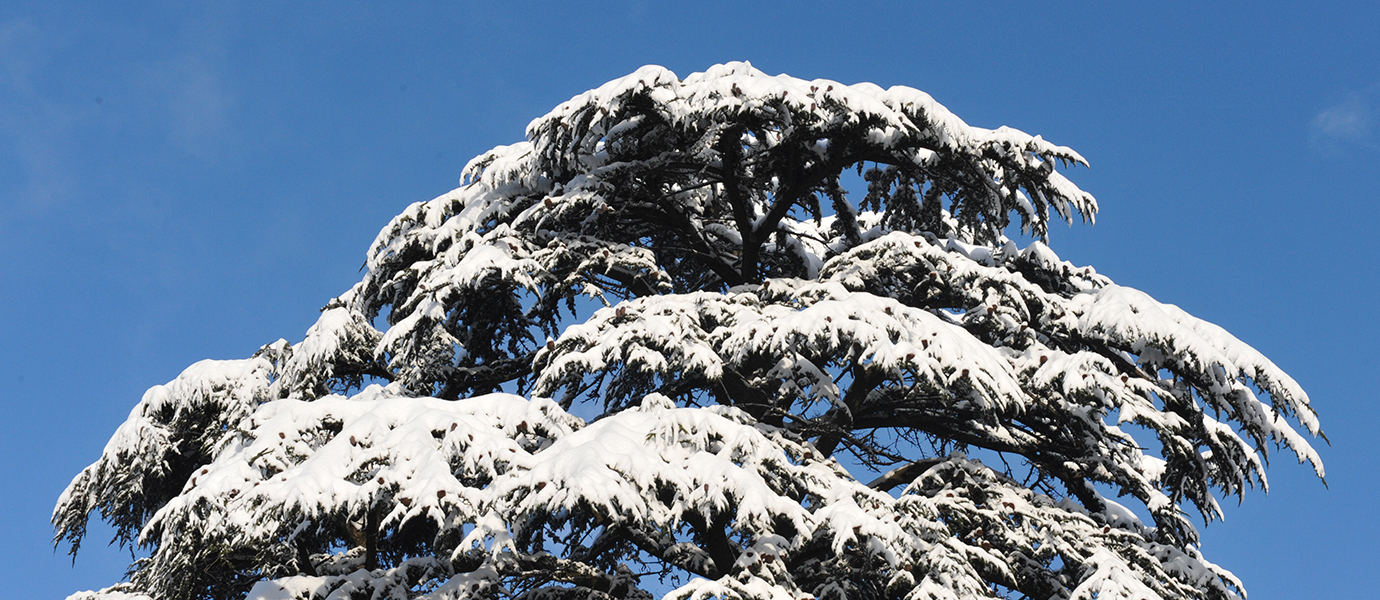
{"type": "Point", "coordinates": [109, 594]}
{"type": "Point", "coordinates": [338, 458]}
{"type": "Point", "coordinates": [1118, 334]}
{"type": "Point", "coordinates": [174, 428]}
{"type": "Point", "coordinates": [338, 349]}
{"type": "Point", "coordinates": [900, 125]}
{"type": "Point", "coordinates": [625, 191]}
{"type": "Point", "coordinates": [384, 584]}
{"type": "Point", "coordinates": [509, 471]}
{"type": "Point", "coordinates": [699, 335]}
{"type": "Point", "coordinates": [709, 461]}
{"type": "Point", "coordinates": [1222, 364]}
{"type": "Point", "coordinates": [1084, 358]}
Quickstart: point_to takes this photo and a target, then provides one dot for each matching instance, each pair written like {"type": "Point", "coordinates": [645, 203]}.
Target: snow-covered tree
{"type": "Point", "coordinates": [694, 267]}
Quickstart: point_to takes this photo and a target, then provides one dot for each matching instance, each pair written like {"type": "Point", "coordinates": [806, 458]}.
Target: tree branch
{"type": "Point", "coordinates": [904, 474]}
{"type": "Point", "coordinates": [713, 534]}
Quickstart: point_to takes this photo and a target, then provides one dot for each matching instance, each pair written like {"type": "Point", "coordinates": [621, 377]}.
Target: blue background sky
{"type": "Point", "coordinates": [184, 183]}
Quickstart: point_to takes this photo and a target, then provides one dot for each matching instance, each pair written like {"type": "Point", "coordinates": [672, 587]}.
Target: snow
{"type": "Point", "coordinates": [742, 337]}
{"type": "Point", "coordinates": [108, 594]}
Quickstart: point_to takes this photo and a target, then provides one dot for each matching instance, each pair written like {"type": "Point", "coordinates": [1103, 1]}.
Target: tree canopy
{"type": "Point", "coordinates": [758, 293]}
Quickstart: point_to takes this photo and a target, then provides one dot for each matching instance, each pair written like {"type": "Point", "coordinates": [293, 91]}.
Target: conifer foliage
{"type": "Point", "coordinates": [693, 266]}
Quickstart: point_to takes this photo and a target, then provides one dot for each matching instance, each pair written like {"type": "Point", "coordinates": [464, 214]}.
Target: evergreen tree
{"type": "Point", "coordinates": [681, 262]}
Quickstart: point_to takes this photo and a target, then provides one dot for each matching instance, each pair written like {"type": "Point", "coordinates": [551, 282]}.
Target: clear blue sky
{"type": "Point", "coordinates": [184, 183]}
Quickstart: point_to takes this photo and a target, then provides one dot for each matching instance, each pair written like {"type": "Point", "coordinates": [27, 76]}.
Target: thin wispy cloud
{"type": "Point", "coordinates": [53, 131]}
{"type": "Point", "coordinates": [1347, 123]}
{"type": "Point", "coordinates": [34, 128]}
{"type": "Point", "coordinates": [189, 100]}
